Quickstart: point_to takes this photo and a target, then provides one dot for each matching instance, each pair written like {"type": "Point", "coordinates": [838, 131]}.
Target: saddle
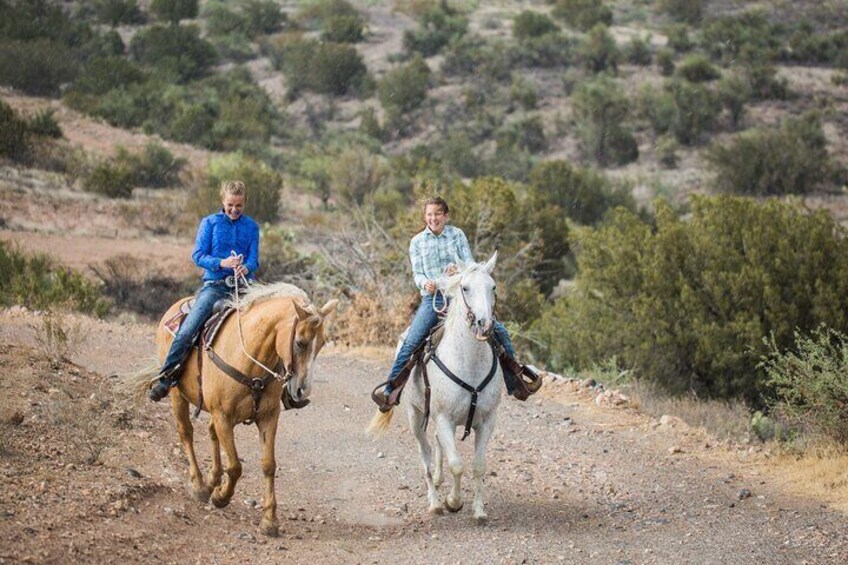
{"type": "Point", "coordinates": [210, 327]}
{"type": "Point", "coordinates": [521, 380]}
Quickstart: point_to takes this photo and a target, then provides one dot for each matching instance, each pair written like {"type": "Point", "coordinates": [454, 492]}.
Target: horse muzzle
{"type": "Point", "coordinates": [289, 402]}
{"type": "Point", "coordinates": [482, 332]}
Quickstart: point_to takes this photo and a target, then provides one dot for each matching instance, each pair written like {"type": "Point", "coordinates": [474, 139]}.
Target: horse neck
{"type": "Point", "coordinates": [259, 330]}
{"type": "Point", "coordinates": [460, 350]}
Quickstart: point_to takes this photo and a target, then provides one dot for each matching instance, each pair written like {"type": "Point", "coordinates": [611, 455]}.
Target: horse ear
{"type": "Point", "coordinates": [329, 307]}
{"type": "Point", "coordinates": [302, 313]}
{"type": "Point", "coordinates": [490, 264]}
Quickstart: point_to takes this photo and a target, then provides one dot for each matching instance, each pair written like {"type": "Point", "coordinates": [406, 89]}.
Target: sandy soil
{"type": "Point", "coordinates": [569, 481]}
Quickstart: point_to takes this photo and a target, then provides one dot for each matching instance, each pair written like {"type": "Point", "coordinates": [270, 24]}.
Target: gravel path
{"type": "Point", "coordinates": [569, 482]}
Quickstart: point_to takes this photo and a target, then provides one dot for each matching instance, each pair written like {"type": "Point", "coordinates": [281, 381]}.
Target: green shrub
{"type": "Point", "coordinates": [659, 108]}
{"type": "Point", "coordinates": [474, 57]}
{"type": "Point", "coordinates": [763, 82]}
{"type": "Point", "coordinates": [117, 12]}
{"type": "Point", "coordinates": [344, 29]}
{"type": "Point", "coordinates": [763, 162]}
{"type": "Point", "coordinates": [598, 51]}
{"type": "Point", "coordinates": [355, 173]}
{"type": "Point", "coordinates": [689, 11]}
{"type": "Point", "coordinates": [404, 88]}
{"type": "Point", "coordinates": [582, 14]}
{"type": "Point", "coordinates": [665, 61]}
{"type": "Point", "coordinates": [810, 381]}
{"type": "Point", "coordinates": [37, 67]}
{"type": "Point", "coordinates": [114, 180]}
{"type": "Point", "coordinates": [45, 125]}
{"type": "Point", "coordinates": [638, 52]}
{"type": "Point", "coordinates": [529, 24]}
{"type": "Point", "coordinates": [13, 132]}
{"type": "Point", "coordinates": [154, 167]}
{"type": "Point", "coordinates": [727, 37]}
{"type": "Point", "coordinates": [262, 17]}
{"type": "Point", "coordinates": [102, 74]}
{"type": "Point", "coordinates": [688, 302]}
{"type": "Point", "coordinates": [547, 51]}
{"type": "Point", "coordinates": [177, 51]}
{"type": "Point", "coordinates": [600, 108]}
{"type": "Point", "coordinates": [666, 149]}
{"type": "Point", "coordinates": [810, 46]}
{"type": "Point", "coordinates": [327, 68]}
{"type": "Point", "coordinates": [678, 38]}
{"type": "Point", "coordinates": [263, 184]}
{"type": "Point", "coordinates": [280, 258]}
{"type": "Point", "coordinates": [527, 133]}
{"type": "Point", "coordinates": [524, 92]}
{"type": "Point", "coordinates": [39, 284]}
{"type": "Point", "coordinates": [697, 68]}
{"type": "Point", "coordinates": [437, 27]}
{"type": "Point", "coordinates": [579, 194]}
{"type": "Point", "coordinates": [174, 10]}
{"type": "Point", "coordinates": [698, 108]}
{"type": "Point", "coordinates": [734, 92]}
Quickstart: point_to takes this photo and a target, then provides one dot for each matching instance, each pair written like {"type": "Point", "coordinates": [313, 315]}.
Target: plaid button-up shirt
{"type": "Point", "coordinates": [431, 254]}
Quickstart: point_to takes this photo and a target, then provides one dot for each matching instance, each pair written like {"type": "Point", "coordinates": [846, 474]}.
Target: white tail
{"type": "Point", "coordinates": [135, 385]}
{"type": "Point", "coordinates": [380, 423]}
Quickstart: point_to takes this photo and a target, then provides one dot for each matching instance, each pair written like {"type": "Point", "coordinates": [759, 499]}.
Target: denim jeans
{"type": "Point", "coordinates": [210, 293]}
{"type": "Point", "coordinates": [424, 321]}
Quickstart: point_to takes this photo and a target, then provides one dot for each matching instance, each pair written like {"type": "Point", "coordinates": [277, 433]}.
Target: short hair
{"type": "Point", "coordinates": [438, 200]}
{"type": "Point", "coordinates": [234, 187]}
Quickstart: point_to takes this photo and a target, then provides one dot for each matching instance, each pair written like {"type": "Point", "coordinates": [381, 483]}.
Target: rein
{"type": "Point", "coordinates": [257, 385]}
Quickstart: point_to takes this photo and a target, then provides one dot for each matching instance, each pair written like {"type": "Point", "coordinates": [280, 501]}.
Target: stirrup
{"type": "Point", "coordinates": [531, 377]}
{"type": "Point", "coordinates": [385, 402]}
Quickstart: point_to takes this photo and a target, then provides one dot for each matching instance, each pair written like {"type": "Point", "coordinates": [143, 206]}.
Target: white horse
{"type": "Point", "coordinates": [464, 351]}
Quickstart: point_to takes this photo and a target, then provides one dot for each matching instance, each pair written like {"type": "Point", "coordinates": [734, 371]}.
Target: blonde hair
{"type": "Point", "coordinates": [234, 187]}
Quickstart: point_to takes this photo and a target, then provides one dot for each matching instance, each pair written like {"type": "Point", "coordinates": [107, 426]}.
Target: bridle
{"type": "Point", "coordinates": [470, 317]}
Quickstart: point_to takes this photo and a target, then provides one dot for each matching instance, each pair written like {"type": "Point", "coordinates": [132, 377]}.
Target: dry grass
{"type": "Point", "coordinates": [58, 336]}
{"type": "Point", "coordinates": [821, 473]}
{"type": "Point", "coordinates": [726, 420]}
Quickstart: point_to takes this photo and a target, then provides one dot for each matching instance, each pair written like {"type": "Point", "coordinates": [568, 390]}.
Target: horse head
{"type": "Point", "coordinates": [298, 345]}
{"type": "Point", "coordinates": [472, 290]}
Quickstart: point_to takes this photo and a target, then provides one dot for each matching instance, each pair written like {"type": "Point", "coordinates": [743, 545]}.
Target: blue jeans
{"type": "Point", "coordinates": [424, 321]}
{"type": "Point", "coordinates": [210, 293]}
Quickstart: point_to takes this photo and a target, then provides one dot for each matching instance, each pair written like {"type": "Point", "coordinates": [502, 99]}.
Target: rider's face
{"type": "Point", "coordinates": [233, 205]}
{"type": "Point", "coordinates": [435, 218]}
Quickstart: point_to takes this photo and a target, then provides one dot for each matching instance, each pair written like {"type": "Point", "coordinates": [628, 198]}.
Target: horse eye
{"type": "Point", "coordinates": [301, 344]}
{"type": "Point", "coordinates": [465, 288]}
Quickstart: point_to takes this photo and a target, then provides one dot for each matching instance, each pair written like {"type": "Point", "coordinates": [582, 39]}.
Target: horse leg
{"type": "Point", "coordinates": [446, 432]}
{"type": "Point", "coordinates": [482, 435]}
{"type": "Point", "coordinates": [224, 492]}
{"type": "Point", "coordinates": [438, 475]}
{"type": "Point", "coordinates": [267, 435]}
{"type": "Point", "coordinates": [416, 424]}
{"type": "Point", "coordinates": [214, 477]}
{"type": "Point", "coordinates": [179, 406]}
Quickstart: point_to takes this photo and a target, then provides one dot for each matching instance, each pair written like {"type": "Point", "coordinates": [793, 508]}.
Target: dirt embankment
{"type": "Point", "coordinates": [88, 478]}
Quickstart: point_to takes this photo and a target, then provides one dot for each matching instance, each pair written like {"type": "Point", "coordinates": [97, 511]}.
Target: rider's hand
{"type": "Point", "coordinates": [231, 262]}
{"type": "Point", "coordinates": [451, 270]}
{"type": "Point", "coordinates": [430, 286]}
{"type": "Point", "coordinates": [241, 271]}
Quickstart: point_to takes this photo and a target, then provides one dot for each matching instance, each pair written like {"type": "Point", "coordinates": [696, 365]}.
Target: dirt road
{"type": "Point", "coordinates": [569, 481]}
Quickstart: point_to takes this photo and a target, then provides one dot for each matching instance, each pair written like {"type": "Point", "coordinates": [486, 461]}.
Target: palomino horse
{"type": "Point", "coordinates": [280, 329]}
{"type": "Point", "coordinates": [465, 351]}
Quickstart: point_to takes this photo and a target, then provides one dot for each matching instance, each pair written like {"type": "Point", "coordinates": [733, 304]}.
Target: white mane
{"type": "Point", "coordinates": [259, 292]}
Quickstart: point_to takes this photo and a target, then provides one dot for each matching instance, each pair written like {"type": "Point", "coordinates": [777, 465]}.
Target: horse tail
{"type": "Point", "coordinates": [135, 385]}
{"type": "Point", "coordinates": [380, 423]}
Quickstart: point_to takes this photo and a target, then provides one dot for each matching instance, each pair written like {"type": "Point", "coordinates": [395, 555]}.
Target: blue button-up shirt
{"type": "Point", "coordinates": [217, 237]}
{"type": "Point", "coordinates": [430, 254]}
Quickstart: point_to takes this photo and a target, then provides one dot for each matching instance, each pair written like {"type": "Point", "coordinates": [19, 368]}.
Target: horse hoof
{"type": "Point", "coordinates": [269, 529]}
{"type": "Point", "coordinates": [437, 510]}
{"type": "Point", "coordinates": [203, 494]}
{"type": "Point", "coordinates": [219, 501]}
{"type": "Point", "coordinates": [453, 506]}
